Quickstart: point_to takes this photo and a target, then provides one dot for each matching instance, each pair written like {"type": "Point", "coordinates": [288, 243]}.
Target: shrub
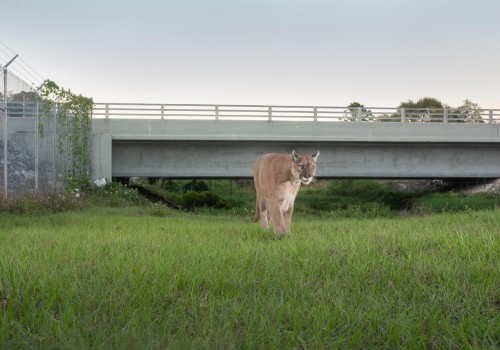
{"type": "Point", "coordinates": [193, 199]}
{"type": "Point", "coordinates": [171, 186]}
{"type": "Point", "coordinates": [366, 189]}
{"type": "Point", "coordinates": [115, 194]}
{"type": "Point", "coordinates": [196, 186]}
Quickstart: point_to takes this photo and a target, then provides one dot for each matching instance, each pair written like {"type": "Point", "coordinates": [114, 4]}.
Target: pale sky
{"type": "Point", "coordinates": [272, 52]}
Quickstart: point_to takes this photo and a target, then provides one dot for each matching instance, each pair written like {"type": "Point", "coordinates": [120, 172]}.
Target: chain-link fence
{"type": "Point", "coordinates": [38, 140]}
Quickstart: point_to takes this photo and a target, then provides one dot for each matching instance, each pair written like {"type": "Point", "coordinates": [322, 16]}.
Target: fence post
{"type": "Point", "coordinates": [162, 111]}
{"type": "Point", "coordinates": [445, 116]}
{"type": "Point", "coordinates": [315, 114]}
{"type": "Point", "coordinates": [403, 115]}
{"type": "Point", "coordinates": [5, 116]}
{"type": "Point", "coordinates": [106, 111]}
{"type": "Point", "coordinates": [270, 117]}
{"type": "Point", "coordinates": [216, 112]}
{"type": "Point", "coordinates": [491, 117]}
{"type": "Point", "coordinates": [89, 149]}
{"type": "Point", "coordinates": [37, 151]}
{"type": "Point", "coordinates": [4, 121]}
{"type": "Point", "coordinates": [54, 145]}
{"type": "Point", "coordinates": [67, 129]}
{"type": "Point", "coordinates": [359, 114]}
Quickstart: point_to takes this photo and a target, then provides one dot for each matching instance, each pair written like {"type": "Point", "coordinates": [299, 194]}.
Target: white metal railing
{"type": "Point", "coordinates": [293, 113]}
{"type": "Point", "coordinates": [275, 113]}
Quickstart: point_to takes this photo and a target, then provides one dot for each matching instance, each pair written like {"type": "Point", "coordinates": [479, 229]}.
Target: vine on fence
{"type": "Point", "coordinates": [74, 122]}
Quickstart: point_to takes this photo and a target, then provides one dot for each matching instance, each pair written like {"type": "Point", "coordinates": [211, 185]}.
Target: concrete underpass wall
{"type": "Point", "coordinates": [177, 159]}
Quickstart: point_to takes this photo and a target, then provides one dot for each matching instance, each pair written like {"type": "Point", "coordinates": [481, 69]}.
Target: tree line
{"type": "Point", "coordinates": [427, 109]}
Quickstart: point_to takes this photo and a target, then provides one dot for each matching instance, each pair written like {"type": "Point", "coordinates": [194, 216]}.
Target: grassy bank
{"type": "Point", "coordinates": [140, 277]}
{"type": "Point", "coordinates": [326, 198]}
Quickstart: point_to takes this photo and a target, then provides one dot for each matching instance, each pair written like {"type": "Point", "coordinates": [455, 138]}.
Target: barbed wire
{"type": "Point", "coordinates": [20, 69]}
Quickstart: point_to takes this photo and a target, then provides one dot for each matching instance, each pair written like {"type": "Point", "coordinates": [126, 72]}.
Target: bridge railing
{"type": "Point", "coordinates": [276, 113]}
{"type": "Point", "coordinates": [293, 113]}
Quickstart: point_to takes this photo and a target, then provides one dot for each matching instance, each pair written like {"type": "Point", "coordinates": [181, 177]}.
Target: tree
{"type": "Point", "coordinates": [426, 102]}
{"type": "Point", "coordinates": [468, 112]}
{"type": "Point", "coordinates": [25, 96]}
{"type": "Point", "coordinates": [353, 110]}
{"type": "Point", "coordinates": [427, 109]}
{"type": "Point", "coordinates": [22, 104]}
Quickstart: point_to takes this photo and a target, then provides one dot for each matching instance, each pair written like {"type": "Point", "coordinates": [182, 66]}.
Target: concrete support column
{"type": "Point", "coordinates": [101, 157]}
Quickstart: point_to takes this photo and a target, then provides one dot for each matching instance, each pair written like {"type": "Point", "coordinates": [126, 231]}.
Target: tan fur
{"type": "Point", "coordinates": [277, 179]}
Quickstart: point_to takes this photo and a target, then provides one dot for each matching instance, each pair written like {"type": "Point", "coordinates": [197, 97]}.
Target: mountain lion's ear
{"type": "Point", "coordinates": [295, 156]}
{"type": "Point", "coordinates": [315, 155]}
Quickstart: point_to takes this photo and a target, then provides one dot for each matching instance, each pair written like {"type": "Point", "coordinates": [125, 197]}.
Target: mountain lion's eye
{"type": "Point", "coordinates": [301, 167]}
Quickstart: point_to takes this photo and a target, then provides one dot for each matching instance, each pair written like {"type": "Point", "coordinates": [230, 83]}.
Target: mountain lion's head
{"type": "Point", "coordinates": [304, 167]}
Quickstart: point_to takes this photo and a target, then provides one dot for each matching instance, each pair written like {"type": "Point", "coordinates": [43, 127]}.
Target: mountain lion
{"type": "Point", "coordinates": [277, 179]}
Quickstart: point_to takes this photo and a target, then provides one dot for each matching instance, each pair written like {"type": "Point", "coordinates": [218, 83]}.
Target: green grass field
{"type": "Point", "coordinates": [140, 278]}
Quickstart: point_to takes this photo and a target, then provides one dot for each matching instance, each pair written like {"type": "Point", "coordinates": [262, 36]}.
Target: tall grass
{"type": "Point", "coordinates": [130, 278]}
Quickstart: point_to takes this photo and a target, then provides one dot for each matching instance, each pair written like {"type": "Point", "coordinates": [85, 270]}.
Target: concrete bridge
{"type": "Point", "coordinates": [223, 141]}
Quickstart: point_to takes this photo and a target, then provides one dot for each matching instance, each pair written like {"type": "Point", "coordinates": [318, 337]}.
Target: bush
{"type": "Point", "coordinates": [196, 186]}
{"type": "Point", "coordinates": [193, 199]}
{"type": "Point", "coordinates": [365, 189]}
{"type": "Point", "coordinates": [171, 186]}
{"type": "Point", "coordinates": [115, 194]}
{"type": "Point", "coordinates": [188, 195]}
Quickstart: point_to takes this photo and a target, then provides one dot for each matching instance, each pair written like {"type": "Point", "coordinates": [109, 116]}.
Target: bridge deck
{"type": "Point", "coordinates": [217, 148]}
